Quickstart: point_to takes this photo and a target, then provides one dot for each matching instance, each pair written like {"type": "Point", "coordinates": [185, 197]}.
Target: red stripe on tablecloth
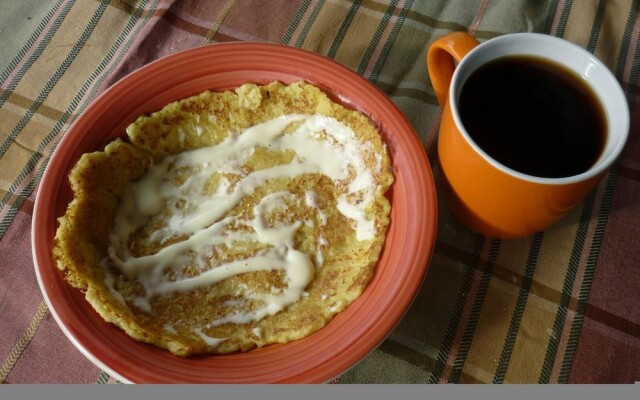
{"type": "Point", "coordinates": [563, 343]}
{"type": "Point", "coordinates": [613, 321]}
{"type": "Point", "coordinates": [383, 39]}
{"type": "Point", "coordinates": [593, 365]}
{"type": "Point", "coordinates": [633, 43]}
{"type": "Point", "coordinates": [20, 293]}
{"type": "Point", "coordinates": [478, 17]}
{"type": "Point", "coordinates": [557, 17]}
{"type": "Point", "coordinates": [217, 22]}
{"type": "Point", "coordinates": [24, 341]}
{"type": "Point", "coordinates": [612, 291]}
{"type": "Point", "coordinates": [303, 21]}
{"type": "Point", "coordinates": [42, 362]}
{"type": "Point", "coordinates": [246, 22]}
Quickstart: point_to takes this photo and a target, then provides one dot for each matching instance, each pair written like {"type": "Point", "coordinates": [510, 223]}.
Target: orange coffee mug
{"type": "Point", "coordinates": [485, 194]}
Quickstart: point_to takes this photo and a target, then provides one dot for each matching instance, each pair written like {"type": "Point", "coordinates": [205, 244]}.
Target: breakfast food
{"type": "Point", "coordinates": [229, 220]}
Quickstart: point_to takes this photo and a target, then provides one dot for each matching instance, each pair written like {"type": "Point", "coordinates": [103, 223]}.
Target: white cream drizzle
{"type": "Point", "coordinates": [202, 217]}
{"type": "Point", "coordinates": [210, 341]}
{"type": "Point", "coordinates": [169, 328]}
{"type": "Point", "coordinates": [336, 306]}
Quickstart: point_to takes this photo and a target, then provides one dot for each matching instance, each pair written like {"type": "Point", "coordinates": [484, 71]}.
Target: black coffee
{"type": "Point", "coordinates": [533, 116]}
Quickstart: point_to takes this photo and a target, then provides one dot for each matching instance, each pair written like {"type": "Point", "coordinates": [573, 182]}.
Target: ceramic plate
{"type": "Point", "coordinates": [319, 357]}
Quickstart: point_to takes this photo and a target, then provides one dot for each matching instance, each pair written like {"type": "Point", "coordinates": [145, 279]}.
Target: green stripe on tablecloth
{"type": "Point", "coordinates": [13, 207]}
{"type": "Point", "coordinates": [389, 43]}
{"type": "Point", "coordinates": [344, 26]}
{"type": "Point", "coordinates": [103, 377]}
{"type": "Point", "coordinates": [474, 315]}
{"type": "Point", "coordinates": [373, 44]}
{"type": "Point", "coordinates": [553, 5]}
{"type": "Point", "coordinates": [595, 28]}
{"type": "Point", "coordinates": [625, 45]}
{"type": "Point", "coordinates": [452, 327]}
{"type": "Point", "coordinates": [295, 22]}
{"type": "Point", "coordinates": [587, 280]}
{"type": "Point", "coordinates": [635, 66]}
{"type": "Point", "coordinates": [563, 18]}
{"type": "Point", "coordinates": [310, 21]}
{"type": "Point", "coordinates": [53, 80]}
{"type": "Point", "coordinates": [567, 288]}
{"type": "Point", "coordinates": [518, 312]}
{"type": "Point", "coordinates": [38, 50]}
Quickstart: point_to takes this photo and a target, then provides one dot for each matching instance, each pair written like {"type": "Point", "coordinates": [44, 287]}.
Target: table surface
{"type": "Point", "coordinates": [562, 306]}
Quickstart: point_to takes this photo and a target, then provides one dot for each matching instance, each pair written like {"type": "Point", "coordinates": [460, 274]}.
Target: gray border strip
{"type": "Point", "coordinates": [320, 392]}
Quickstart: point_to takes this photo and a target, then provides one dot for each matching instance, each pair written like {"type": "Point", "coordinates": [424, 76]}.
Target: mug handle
{"type": "Point", "coordinates": [440, 60]}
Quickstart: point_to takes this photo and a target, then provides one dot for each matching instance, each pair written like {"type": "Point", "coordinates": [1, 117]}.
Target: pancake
{"type": "Point", "coordinates": [229, 220]}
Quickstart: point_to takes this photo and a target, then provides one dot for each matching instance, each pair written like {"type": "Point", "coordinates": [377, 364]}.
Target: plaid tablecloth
{"type": "Point", "coordinates": [561, 306]}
